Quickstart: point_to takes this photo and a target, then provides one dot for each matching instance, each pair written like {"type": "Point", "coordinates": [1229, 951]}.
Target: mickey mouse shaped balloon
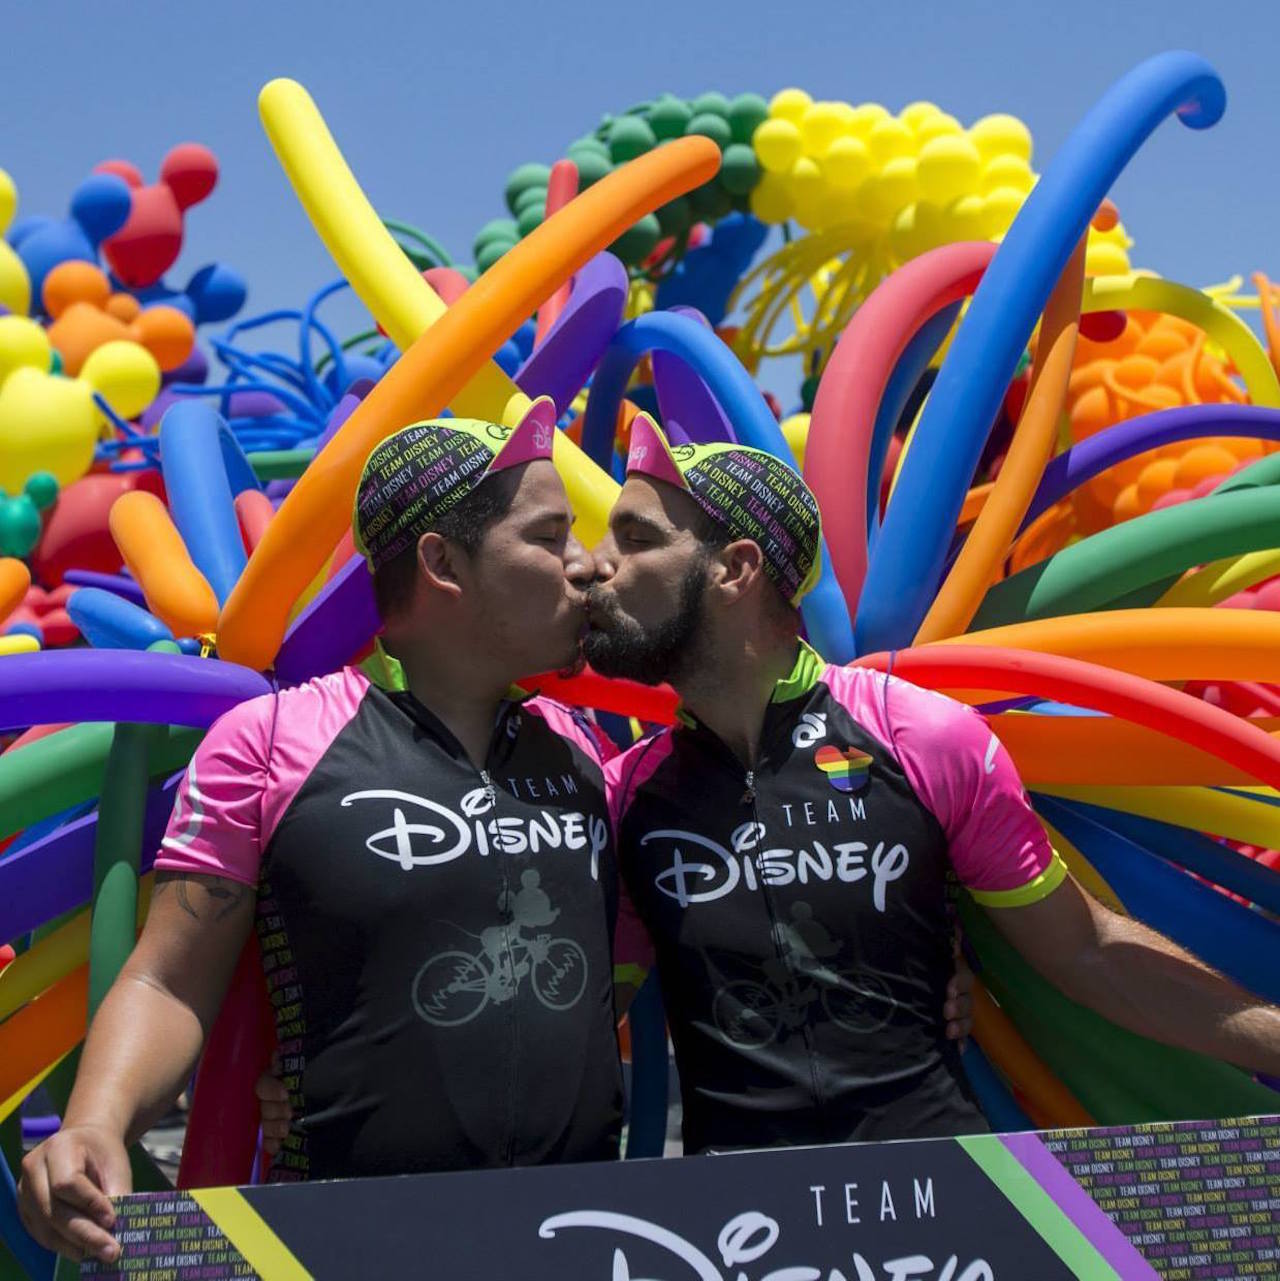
{"type": "Point", "coordinates": [149, 242]}
{"type": "Point", "coordinates": [99, 206]}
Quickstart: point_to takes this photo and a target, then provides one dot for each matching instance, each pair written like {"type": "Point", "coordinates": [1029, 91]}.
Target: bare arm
{"type": "Point", "coordinates": [1141, 980]}
{"type": "Point", "coordinates": [139, 1054]}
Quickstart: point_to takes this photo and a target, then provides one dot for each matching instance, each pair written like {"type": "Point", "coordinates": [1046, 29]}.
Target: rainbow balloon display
{"type": "Point", "coordinates": [1048, 481]}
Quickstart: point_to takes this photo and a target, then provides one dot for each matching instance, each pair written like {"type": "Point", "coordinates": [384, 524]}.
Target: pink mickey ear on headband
{"type": "Point", "coordinates": [650, 454]}
{"type": "Point", "coordinates": [533, 437]}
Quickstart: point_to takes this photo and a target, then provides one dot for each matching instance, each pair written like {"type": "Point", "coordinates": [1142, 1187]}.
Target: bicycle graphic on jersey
{"type": "Point", "coordinates": [453, 987]}
{"type": "Point", "coordinates": [751, 1013]}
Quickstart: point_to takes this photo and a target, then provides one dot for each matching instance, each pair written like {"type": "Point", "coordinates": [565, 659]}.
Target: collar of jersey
{"type": "Point", "coordinates": [804, 676]}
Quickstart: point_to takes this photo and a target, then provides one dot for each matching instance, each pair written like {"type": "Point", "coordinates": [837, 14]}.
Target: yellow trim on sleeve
{"type": "Point", "coordinates": [1031, 892]}
{"type": "Point", "coordinates": [630, 974]}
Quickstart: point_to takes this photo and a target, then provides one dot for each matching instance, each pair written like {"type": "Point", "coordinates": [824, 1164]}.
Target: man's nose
{"type": "Point", "coordinates": [579, 564]}
{"type": "Point", "coordinates": [605, 557]}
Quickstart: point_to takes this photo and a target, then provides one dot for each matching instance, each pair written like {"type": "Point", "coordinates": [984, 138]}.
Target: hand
{"type": "Point", "coordinates": [277, 1115]}
{"type": "Point", "coordinates": [64, 1197]}
{"type": "Point", "coordinates": [958, 1010]}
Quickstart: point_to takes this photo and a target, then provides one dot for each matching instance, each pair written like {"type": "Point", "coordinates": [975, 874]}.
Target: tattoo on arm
{"type": "Point", "coordinates": [226, 895]}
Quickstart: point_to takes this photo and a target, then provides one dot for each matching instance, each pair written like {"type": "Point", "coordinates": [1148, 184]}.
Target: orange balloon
{"type": "Point", "coordinates": [1135, 372]}
{"type": "Point", "coordinates": [176, 591]}
{"type": "Point", "coordinates": [43, 1031]}
{"type": "Point", "coordinates": [1091, 413]}
{"type": "Point", "coordinates": [1156, 479]}
{"type": "Point", "coordinates": [15, 582]}
{"type": "Point", "coordinates": [1161, 344]}
{"type": "Point", "coordinates": [1203, 462]}
{"type": "Point", "coordinates": [1127, 504]}
{"type": "Point", "coordinates": [74, 281]}
{"type": "Point", "coordinates": [431, 372]}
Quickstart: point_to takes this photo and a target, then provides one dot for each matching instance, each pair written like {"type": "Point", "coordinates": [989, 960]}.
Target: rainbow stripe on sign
{"type": "Point", "coordinates": [846, 770]}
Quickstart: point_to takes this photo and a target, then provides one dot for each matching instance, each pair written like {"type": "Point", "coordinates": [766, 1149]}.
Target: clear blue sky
{"type": "Point", "coordinates": [434, 102]}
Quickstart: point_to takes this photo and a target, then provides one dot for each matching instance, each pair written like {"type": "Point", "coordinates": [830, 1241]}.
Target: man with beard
{"type": "Point", "coordinates": [802, 820]}
{"type": "Point", "coordinates": [430, 872]}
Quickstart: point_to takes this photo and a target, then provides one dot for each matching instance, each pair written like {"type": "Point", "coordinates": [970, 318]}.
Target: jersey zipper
{"type": "Point", "coordinates": [513, 1056]}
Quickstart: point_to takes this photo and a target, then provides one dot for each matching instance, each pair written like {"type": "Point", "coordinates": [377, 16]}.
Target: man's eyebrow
{"type": "Point", "coordinates": [551, 514]}
{"type": "Point", "coordinates": [643, 522]}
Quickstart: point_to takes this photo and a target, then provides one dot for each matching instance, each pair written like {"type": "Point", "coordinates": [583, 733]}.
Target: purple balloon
{"type": "Point", "coordinates": [195, 369]}
{"type": "Point", "coordinates": [1092, 456]}
{"type": "Point", "coordinates": [255, 404]}
{"type": "Point", "coordinates": [338, 622]}
{"type": "Point", "coordinates": [690, 413]}
{"type": "Point", "coordinates": [120, 685]}
{"type": "Point", "coordinates": [116, 583]}
{"type": "Point", "coordinates": [344, 409]}
{"type": "Point", "coordinates": [154, 412]}
{"type": "Point", "coordinates": [55, 874]}
{"type": "Point", "coordinates": [560, 367]}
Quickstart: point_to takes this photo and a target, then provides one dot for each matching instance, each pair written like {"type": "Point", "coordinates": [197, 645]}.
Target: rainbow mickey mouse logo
{"type": "Point", "coordinates": [846, 768]}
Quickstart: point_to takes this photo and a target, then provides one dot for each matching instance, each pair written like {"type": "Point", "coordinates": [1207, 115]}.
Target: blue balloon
{"type": "Point", "coordinates": [825, 615]}
{"type": "Point", "coordinates": [706, 277]}
{"type": "Point", "coordinates": [906, 567]}
{"type": "Point", "coordinates": [33, 1259]}
{"type": "Point", "coordinates": [997, 1104]}
{"type": "Point", "coordinates": [204, 468]}
{"type": "Point", "coordinates": [108, 621]}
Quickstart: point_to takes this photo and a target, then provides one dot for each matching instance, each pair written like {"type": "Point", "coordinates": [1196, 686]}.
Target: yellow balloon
{"type": "Point", "coordinates": [889, 139]}
{"type": "Point", "coordinates": [15, 287]}
{"type": "Point", "coordinates": [1001, 134]}
{"type": "Point", "coordinates": [892, 188]}
{"type": "Point", "coordinates": [864, 117]}
{"type": "Point", "coordinates": [938, 125]}
{"type": "Point", "coordinates": [125, 374]}
{"type": "Point", "coordinates": [846, 162]}
{"type": "Point", "coordinates": [795, 431]}
{"type": "Point", "coordinates": [771, 199]}
{"type": "Point", "coordinates": [1007, 171]}
{"type": "Point", "coordinates": [914, 114]}
{"type": "Point", "coordinates": [948, 167]}
{"type": "Point", "coordinates": [966, 218]}
{"type": "Point", "coordinates": [23, 345]}
{"type": "Point", "coordinates": [47, 423]}
{"type": "Point", "coordinates": [820, 126]}
{"type": "Point", "coordinates": [1105, 258]}
{"type": "Point", "coordinates": [777, 145]}
{"type": "Point", "coordinates": [790, 104]}
{"type": "Point", "coordinates": [808, 190]}
{"type": "Point", "coordinates": [1002, 208]}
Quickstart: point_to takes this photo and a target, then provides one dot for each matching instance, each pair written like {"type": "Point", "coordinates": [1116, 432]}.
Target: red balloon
{"type": "Point", "coordinates": [75, 532]}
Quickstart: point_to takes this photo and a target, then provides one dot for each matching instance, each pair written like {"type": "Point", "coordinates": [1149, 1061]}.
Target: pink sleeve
{"type": "Point", "coordinates": [961, 771]}
{"type": "Point", "coordinates": [215, 828]}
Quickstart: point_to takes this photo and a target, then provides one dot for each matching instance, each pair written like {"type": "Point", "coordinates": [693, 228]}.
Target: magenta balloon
{"type": "Point", "coordinates": [120, 685]}
{"type": "Point", "coordinates": [561, 365]}
{"type": "Point", "coordinates": [340, 621]}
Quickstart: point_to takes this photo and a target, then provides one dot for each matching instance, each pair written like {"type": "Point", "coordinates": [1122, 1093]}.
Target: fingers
{"type": "Point", "coordinates": [62, 1208]}
{"type": "Point", "coordinates": [270, 1090]}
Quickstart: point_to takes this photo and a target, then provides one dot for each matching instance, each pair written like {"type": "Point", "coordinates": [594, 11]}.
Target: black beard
{"type": "Point", "coordinates": [650, 656]}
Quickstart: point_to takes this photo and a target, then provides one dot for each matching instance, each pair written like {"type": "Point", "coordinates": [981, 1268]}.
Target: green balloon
{"type": "Point", "coordinates": [588, 142]}
{"type": "Point", "coordinates": [675, 216]}
{"type": "Point", "coordinates": [490, 253]}
{"type": "Point", "coordinates": [531, 219]}
{"type": "Point", "coordinates": [1098, 572]}
{"type": "Point", "coordinates": [669, 116]}
{"type": "Point", "coordinates": [494, 229]}
{"type": "Point", "coordinates": [531, 198]}
{"type": "Point", "coordinates": [19, 526]}
{"type": "Point", "coordinates": [592, 165]}
{"type": "Point", "coordinates": [520, 179]}
{"type": "Point", "coordinates": [712, 103]}
{"type": "Point", "coordinates": [637, 242]}
{"type": "Point", "coordinates": [809, 392]}
{"type": "Point", "coordinates": [739, 169]}
{"type": "Point", "coordinates": [630, 137]}
{"type": "Point", "coordinates": [42, 489]}
{"type": "Point", "coordinates": [747, 112]}
{"type": "Point", "coordinates": [710, 202]}
{"type": "Point", "coordinates": [709, 126]}
{"type": "Point", "coordinates": [55, 361]}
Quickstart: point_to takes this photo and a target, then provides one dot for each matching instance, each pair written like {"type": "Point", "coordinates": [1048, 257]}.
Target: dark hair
{"type": "Point", "coordinates": [713, 537]}
{"type": "Point", "coordinates": [465, 523]}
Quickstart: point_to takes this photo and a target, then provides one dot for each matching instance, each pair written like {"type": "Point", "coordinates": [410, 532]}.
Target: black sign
{"type": "Point", "coordinates": [1188, 1200]}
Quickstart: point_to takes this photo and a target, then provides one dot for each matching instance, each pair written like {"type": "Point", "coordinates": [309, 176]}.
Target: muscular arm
{"type": "Point", "coordinates": [148, 1033]}
{"type": "Point", "coordinates": [1141, 980]}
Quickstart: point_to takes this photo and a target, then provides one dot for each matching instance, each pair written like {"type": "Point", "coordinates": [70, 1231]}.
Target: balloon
{"type": "Point", "coordinates": [204, 469]}
{"type": "Point", "coordinates": [1086, 685]}
{"type": "Point", "coordinates": [428, 377]}
{"type": "Point", "coordinates": [148, 244]}
{"type": "Point", "coordinates": [911, 550]}
{"type": "Point", "coordinates": [15, 581]}
{"type": "Point", "coordinates": [335, 624]}
{"type": "Point", "coordinates": [15, 287]}
{"type": "Point", "coordinates": [176, 591]}
{"type": "Point", "coordinates": [108, 621]}
{"type": "Point", "coordinates": [844, 420]}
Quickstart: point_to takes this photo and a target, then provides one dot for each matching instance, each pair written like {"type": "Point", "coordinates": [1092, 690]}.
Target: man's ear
{"type": "Point", "coordinates": [439, 559]}
{"type": "Point", "coordinates": [742, 566]}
